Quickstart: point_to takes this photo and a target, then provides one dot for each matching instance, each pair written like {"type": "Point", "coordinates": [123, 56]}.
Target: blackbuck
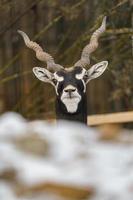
{"type": "Point", "coordinates": [69, 83]}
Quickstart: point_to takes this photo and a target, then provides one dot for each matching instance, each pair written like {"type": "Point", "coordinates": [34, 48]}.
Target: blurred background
{"type": "Point", "coordinates": [63, 28]}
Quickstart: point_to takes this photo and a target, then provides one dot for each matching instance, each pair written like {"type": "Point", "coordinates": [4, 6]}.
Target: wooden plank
{"type": "Point", "coordinates": [120, 117]}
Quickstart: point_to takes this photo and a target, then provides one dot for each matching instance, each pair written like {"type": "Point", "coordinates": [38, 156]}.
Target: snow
{"type": "Point", "coordinates": [76, 156]}
{"type": "Point", "coordinates": [11, 125]}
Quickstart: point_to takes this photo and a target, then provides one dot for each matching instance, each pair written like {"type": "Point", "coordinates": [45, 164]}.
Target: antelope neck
{"type": "Point", "coordinates": [80, 115]}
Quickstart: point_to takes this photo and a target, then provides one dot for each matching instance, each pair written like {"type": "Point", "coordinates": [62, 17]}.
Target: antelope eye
{"type": "Point", "coordinates": [54, 81]}
{"type": "Point", "coordinates": [85, 77]}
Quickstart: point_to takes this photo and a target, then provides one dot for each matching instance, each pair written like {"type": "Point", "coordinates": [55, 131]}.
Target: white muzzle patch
{"type": "Point", "coordinates": [70, 98]}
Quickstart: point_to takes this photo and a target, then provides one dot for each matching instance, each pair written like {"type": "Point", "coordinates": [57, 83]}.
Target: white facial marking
{"type": "Point", "coordinates": [71, 104]}
{"type": "Point", "coordinates": [70, 99]}
{"type": "Point", "coordinates": [84, 85]}
{"type": "Point", "coordinates": [69, 87]}
{"type": "Point", "coordinates": [81, 75]}
{"type": "Point", "coordinates": [59, 78]}
{"type": "Point", "coordinates": [56, 88]}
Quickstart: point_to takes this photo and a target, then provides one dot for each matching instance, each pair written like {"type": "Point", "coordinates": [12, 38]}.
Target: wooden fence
{"type": "Point", "coordinates": [111, 118]}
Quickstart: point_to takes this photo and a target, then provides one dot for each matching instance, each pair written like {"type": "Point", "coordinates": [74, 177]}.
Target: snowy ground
{"type": "Point", "coordinates": [35, 153]}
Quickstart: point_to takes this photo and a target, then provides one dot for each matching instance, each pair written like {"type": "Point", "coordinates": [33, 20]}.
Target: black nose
{"type": "Point", "coordinates": [70, 90]}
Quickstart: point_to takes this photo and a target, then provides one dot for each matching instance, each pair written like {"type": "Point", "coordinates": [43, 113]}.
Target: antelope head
{"type": "Point", "coordinates": [69, 83]}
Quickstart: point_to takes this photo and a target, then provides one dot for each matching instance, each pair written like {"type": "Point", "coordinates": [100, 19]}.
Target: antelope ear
{"type": "Point", "coordinates": [97, 70]}
{"type": "Point", "coordinates": [43, 74]}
